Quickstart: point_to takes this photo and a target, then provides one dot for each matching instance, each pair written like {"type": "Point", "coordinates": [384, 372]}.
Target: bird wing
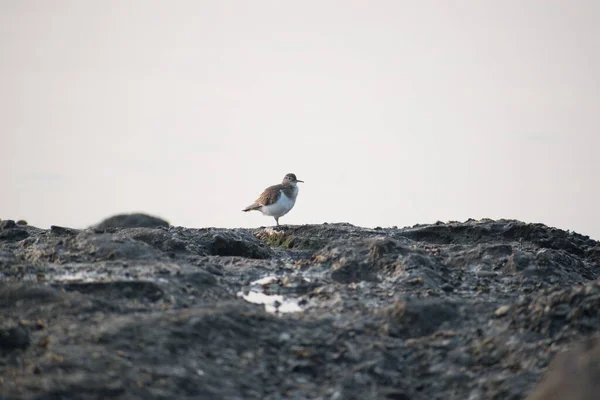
{"type": "Point", "coordinates": [269, 196]}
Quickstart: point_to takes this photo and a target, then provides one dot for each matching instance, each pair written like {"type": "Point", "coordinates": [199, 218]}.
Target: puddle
{"type": "Point", "coordinates": [90, 277]}
{"type": "Point", "coordinates": [264, 281]}
{"type": "Point", "coordinates": [80, 276]}
{"type": "Point", "coordinates": [274, 303]}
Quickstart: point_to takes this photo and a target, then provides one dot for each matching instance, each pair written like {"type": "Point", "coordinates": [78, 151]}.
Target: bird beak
{"type": "Point", "coordinates": [298, 180]}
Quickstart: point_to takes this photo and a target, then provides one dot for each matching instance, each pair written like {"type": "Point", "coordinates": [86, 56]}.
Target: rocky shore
{"type": "Point", "coordinates": [471, 310]}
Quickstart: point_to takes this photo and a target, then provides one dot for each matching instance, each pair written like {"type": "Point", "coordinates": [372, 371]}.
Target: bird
{"type": "Point", "coordinates": [277, 200]}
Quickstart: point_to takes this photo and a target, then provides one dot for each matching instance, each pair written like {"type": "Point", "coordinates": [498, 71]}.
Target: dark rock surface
{"type": "Point", "coordinates": [473, 310]}
{"type": "Point", "coordinates": [135, 220]}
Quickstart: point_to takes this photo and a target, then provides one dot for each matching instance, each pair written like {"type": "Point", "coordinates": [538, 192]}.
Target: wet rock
{"type": "Point", "coordinates": [548, 264]}
{"type": "Point", "coordinates": [356, 260]}
{"type": "Point", "coordinates": [136, 220]}
{"type": "Point", "coordinates": [14, 295]}
{"type": "Point", "coordinates": [204, 351]}
{"type": "Point", "coordinates": [409, 318]}
{"type": "Point", "coordinates": [201, 279]}
{"type": "Point", "coordinates": [209, 241]}
{"type": "Point", "coordinates": [502, 310]}
{"type": "Point", "coordinates": [501, 231]}
{"type": "Point", "coordinates": [519, 261]}
{"type": "Point", "coordinates": [7, 224]}
{"type": "Point", "coordinates": [161, 239]}
{"type": "Point", "coordinates": [13, 235]}
{"type": "Point", "coordinates": [445, 311]}
{"type": "Point", "coordinates": [138, 290]}
{"type": "Point", "coordinates": [14, 338]}
{"type": "Point", "coordinates": [87, 247]}
{"type": "Point", "coordinates": [63, 231]}
{"type": "Point", "coordinates": [10, 231]}
{"type": "Point", "coordinates": [7, 258]}
{"type": "Point", "coordinates": [379, 258]}
{"type": "Point", "coordinates": [29, 302]}
{"type": "Point", "coordinates": [489, 256]}
{"type": "Point", "coordinates": [311, 237]}
{"type": "Point", "coordinates": [233, 243]}
{"type": "Point", "coordinates": [560, 314]}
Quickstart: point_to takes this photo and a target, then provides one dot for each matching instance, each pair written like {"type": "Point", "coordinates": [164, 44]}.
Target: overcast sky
{"type": "Point", "coordinates": [393, 112]}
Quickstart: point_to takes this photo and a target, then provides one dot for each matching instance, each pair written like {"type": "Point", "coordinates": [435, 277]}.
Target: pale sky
{"type": "Point", "coordinates": [393, 112]}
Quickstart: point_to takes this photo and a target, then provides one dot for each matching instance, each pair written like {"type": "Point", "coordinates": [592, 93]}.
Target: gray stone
{"type": "Point", "coordinates": [136, 220]}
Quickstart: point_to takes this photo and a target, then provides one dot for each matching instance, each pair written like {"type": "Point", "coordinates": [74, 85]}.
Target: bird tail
{"type": "Point", "coordinates": [251, 207]}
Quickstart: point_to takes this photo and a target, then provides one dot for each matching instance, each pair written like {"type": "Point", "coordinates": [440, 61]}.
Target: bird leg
{"type": "Point", "coordinates": [277, 220]}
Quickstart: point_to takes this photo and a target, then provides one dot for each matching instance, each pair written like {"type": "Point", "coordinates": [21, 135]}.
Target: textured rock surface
{"type": "Point", "coordinates": [473, 310]}
{"type": "Point", "coordinates": [136, 220]}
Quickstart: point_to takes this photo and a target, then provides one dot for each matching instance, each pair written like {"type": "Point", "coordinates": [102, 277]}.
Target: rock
{"type": "Point", "coordinates": [10, 232]}
{"type": "Point", "coordinates": [233, 243]}
{"type": "Point", "coordinates": [208, 241]}
{"type": "Point", "coordinates": [87, 246]}
{"type": "Point", "coordinates": [137, 220]}
{"type": "Point", "coordinates": [311, 237]}
{"type": "Point", "coordinates": [502, 310]}
{"type": "Point", "coordinates": [375, 258]}
{"type": "Point", "coordinates": [550, 312]}
{"type": "Point", "coordinates": [14, 296]}
{"type": "Point", "coordinates": [138, 290]}
{"type": "Point", "coordinates": [546, 264]}
{"type": "Point", "coordinates": [500, 232]}
{"type": "Point", "coordinates": [359, 259]}
{"type": "Point", "coordinates": [161, 239]}
{"type": "Point", "coordinates": [14, 338]}
{"type": "Point", "coordinates": [573, 375]}
{"type": "Point", "coordinates": [415, 318]}
{"type": "Point", "coordinates": [7, 224]}
{"type": "Point", "coordinates": [452, 310]}
{"type": "Point", "coordinates": [68, 245]}
{"type": "Point", "coordinates": [63, 231]}
{"type": "Point", "coordinates": [7, 259]}
{"type": "Point", "coordinates": [486, 274]}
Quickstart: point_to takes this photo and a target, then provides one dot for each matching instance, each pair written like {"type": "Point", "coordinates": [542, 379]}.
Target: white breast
{"type": "Point", "coordinates": [281, 207]}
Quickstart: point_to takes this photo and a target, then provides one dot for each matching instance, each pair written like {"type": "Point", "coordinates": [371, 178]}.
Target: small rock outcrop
{"type": "Point", "coordinates": [136, 220]}
{"type": "Point", "coordinates": [135, 308]}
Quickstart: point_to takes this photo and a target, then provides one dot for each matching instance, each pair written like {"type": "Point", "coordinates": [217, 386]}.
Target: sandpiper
{"type": "Point", "coordinates": [277, 200]}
